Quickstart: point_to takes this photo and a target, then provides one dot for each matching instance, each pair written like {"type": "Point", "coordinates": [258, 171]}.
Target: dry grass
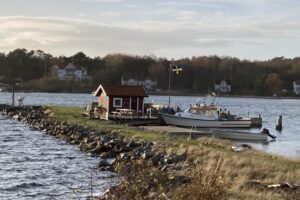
{"type": "Point", "coordinates": [141, 181]}
{"type": "Point", "coordinates": [248, 172]}
{"type": "Point", "coordinates": [207, 183]}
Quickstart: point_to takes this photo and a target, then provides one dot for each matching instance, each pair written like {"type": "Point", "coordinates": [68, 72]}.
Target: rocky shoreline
{"type": "Point", "coordinates": [112, 149]}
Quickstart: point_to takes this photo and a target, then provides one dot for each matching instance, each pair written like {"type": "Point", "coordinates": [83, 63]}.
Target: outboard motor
{"type": "Point", "coordinates": [266, 131]}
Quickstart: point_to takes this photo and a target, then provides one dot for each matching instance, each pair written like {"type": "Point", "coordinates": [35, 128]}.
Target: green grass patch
{"type": "Point", "coordinates": [73, 115]}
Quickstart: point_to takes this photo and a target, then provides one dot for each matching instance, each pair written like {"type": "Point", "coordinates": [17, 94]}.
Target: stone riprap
{"type": "Point", "coordinates": [111, 148]}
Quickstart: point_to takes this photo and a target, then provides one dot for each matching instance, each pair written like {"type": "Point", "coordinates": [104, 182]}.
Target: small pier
{"type": "Point", "coordinates": [138, 121]}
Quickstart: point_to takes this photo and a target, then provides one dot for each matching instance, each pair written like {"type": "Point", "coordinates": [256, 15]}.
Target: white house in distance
{"type": "Point", "coordinates": [70, 71]}
{"type": "Point", "coordinates": [223, 87]}
{"type": "Point", "coordinates": [148, 84]}
{"type": "Point", "coordinates": [296, 87]}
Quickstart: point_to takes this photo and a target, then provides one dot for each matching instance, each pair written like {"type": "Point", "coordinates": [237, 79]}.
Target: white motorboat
{"type": "Point", "coordinates": [239, 135]}
{"type": "Point", "coordinates": [203, 121]}
{"type": "Point", "coordinates": [206, 114]}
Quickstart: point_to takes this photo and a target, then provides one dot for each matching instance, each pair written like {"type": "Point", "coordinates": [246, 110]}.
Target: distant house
{"type": "Point", "coordinates": [148, 84]}
{"type": "Point", "coordinates": [223, 87]}
{"type": "Point", "coordinates": [113, 97]}
{"type": "Point", "coordinates": [70, 72]}
{"type": "Point", "coordinates": [296, 87]}
{"type": "Point", "coordinates": [3, 86]}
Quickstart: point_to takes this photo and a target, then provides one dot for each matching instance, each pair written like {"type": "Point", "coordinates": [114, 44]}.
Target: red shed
{"type": "Point", "coordinates": [113, 97]}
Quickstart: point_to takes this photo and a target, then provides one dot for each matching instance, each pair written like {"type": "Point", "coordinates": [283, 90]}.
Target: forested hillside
{"type": "Point", "coordinates": [32, 70]}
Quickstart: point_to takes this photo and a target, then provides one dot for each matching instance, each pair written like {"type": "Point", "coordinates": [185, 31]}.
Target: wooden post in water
{"type": "Point", "coordinates": [279, 123]}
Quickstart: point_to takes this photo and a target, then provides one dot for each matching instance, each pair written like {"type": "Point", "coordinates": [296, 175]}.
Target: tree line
{"type": "Point", "coordinates": [199, 74]}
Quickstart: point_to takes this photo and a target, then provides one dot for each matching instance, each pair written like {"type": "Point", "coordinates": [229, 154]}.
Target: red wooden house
{"type": "Point", "coordinates": [113, 97]}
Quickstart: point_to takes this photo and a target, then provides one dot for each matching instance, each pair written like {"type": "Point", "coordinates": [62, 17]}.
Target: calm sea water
{"type": "Point", "coordinates": [34, 165]}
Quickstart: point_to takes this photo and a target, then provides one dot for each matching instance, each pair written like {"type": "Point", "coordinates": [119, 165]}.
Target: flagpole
{"type": "Point", "coordinates": [170, 73]}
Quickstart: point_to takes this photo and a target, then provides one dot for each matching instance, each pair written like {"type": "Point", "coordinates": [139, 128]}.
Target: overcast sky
{"type": "Point", "coordinates": [248, 29]}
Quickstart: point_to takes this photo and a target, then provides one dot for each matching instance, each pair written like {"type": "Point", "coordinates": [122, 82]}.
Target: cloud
{"type": "Point", "coordinates": [226, 42]}
{"type": "Point", "coordinates": [103, 1]}
{"type": "Point", "coordinates": [71, 35]}
{"type": "Point", "coordinates": [110, 14]}
{"type": "Point", "coordinates": [164, 37]}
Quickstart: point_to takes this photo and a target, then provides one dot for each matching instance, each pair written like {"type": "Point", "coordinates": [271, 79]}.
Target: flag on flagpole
{"type": "Point", "coordinates": [176, 69]}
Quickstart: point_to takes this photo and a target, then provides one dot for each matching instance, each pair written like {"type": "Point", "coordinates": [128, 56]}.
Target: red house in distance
{"type": "Point", "coordinates": [113, 97]}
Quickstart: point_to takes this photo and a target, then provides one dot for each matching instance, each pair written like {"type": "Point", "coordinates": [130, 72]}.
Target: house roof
{"type": "Point", "coordinates": [121, 90]}
{"type": "Point", "coordinates": [70, 66]}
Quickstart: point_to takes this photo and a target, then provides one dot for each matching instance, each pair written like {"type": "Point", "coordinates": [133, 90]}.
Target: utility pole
{"type": "Point", "coordinates": [45, 68]}
{"type": "Point", "coordinates": [170, 73]}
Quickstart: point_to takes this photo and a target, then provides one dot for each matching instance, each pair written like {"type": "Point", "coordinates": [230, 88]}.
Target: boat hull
{"type": "Point", "coordinates": [238, 135]}
{"type": "Point", "coordinates": [201, 123]}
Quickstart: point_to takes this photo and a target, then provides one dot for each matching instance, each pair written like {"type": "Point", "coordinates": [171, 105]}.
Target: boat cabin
{"type": "Point", "coordinates": [125, 98]}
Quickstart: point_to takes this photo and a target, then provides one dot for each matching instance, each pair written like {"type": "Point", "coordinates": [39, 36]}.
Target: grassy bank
{"type": "Point", "coordinates": [245, 173]}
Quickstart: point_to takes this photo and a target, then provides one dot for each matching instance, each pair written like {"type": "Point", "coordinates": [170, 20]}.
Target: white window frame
{"type": "Point", "coordinates": [114, 102]}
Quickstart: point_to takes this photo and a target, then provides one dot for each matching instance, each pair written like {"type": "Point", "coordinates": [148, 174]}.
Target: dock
{"type": "Point", "coordinates": [177, 131]}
